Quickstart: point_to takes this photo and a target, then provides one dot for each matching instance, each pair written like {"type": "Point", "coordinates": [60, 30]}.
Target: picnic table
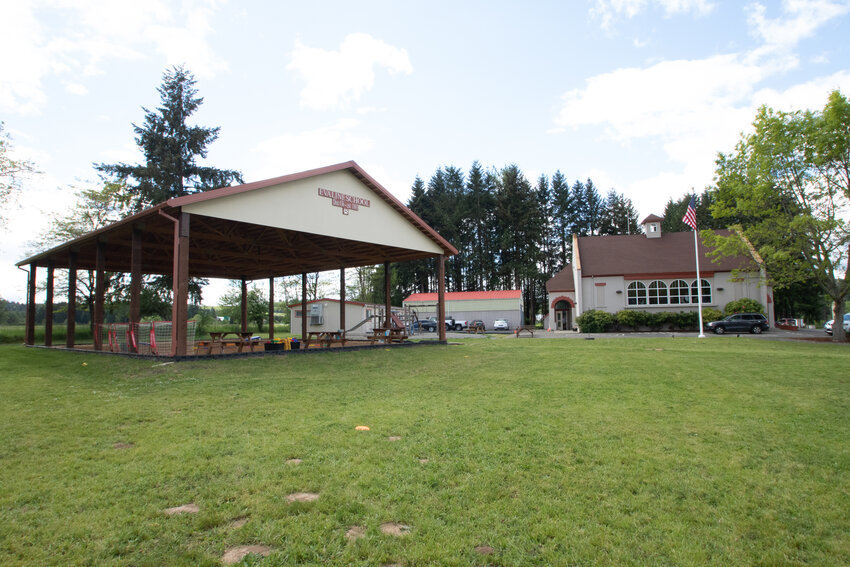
{"type": "Point", "coordinates": [324, 338]}
{"type": "Point", "coordinates": [524, 329]}
{"type": "Point", "coordinates": [218, 341]}
{"type": "Point", "coordinates": [387, 336]}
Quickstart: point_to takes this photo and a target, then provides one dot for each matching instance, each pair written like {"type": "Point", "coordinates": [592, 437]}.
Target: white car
{"type": "Point", "coordinates": [501, 325]}
{"type": "Point", "coordinates": [828, 325]}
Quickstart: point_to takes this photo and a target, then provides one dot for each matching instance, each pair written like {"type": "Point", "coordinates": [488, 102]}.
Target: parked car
{"type": "Point", "coordinates": [828, 325]}
{"type": "Point", "coordinates": [740, 322]}
{"type": "Point", "coordinates": [478, 324]}
{"type": "Point", "coordinates": [501, 325]}
{"type": "Point", "coordinates": [429, 325]}
{"type": "Point", "coordinates": [453, 324]}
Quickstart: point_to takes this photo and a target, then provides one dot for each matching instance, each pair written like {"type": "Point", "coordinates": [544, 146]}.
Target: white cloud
{"type": "Point", "coordinates": [291, 153]}
{"type": "Point", "coordinates": [802, 18]}
{"type": "Point", "coordinates": [335, 78]}
{"type": "Point", "coordinates": [92, 33]}
{"type": "Point", "coordinates": [608, 10]}
{"type": "Point", "coordinates": [76, 89]}
{"type": "Point", "coordinates": [696, 108]}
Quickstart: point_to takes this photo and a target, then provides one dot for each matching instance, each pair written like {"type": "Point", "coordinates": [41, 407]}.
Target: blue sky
{"type": "Point", "coordinates": [638, 95]}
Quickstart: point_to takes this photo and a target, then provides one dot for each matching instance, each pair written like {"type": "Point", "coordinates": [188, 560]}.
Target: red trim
{"type": "Point", "coordinates": [600, 284]}
{"type": "Point", "coordinates": [328, 299]}
{"type": "Point", "coordinates": [667, 276]}
{"type": "Point", "coordinates": [468, 295]}
{"type": "Point", "coordinates": [562, 298]}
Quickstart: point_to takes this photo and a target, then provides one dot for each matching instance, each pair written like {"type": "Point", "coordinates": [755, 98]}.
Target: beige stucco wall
{"type": "Point", "coordinates": [297, 205]}
{"type": "Point", "coordinates": [354, 314]}
{"type": "Point", "coordinates": [723, 291]}
{"type": "Point", "coordinates": [468, 305]}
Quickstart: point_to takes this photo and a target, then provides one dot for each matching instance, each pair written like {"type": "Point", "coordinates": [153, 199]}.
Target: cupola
{"type": "Point", "coordinates": [652, 226]}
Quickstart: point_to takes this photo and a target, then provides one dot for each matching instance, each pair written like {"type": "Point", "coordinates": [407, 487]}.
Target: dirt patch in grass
{"type": "Point", "coordinates": [395, 529]}
{"type": "Point", "coordinates": [122, 445]}
{"type": "Point", "coordinates": [293, 461]}
{"type": "Point", "coordinates": [423, 460]}
{"type": "Point", "coordinates": [302, 497]}
{"type": "Point", "coordinates": [238, 522]}
{"type": "Point", "coordinates": [190, 508]}
{"type": "Point", "coordinates": [484, 550]}
{"type": "Point", "coordinates": [234, 555]}
{"type": "Point", "coordinates": [355, 532]}
{"type": "Point", "coordinates": [394, 438]}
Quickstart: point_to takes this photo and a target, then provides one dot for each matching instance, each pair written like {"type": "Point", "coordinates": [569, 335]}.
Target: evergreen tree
{"type": "Point", "coordinates": [674, 212]}
{"type": "Point", "coordinates": [618, 215]}
{"type": "Point", "coordinates": [480, 203]}
{"type": "Point", "coordinates": [171, 147]}
{"type": "Point", "coordinates": [564, 214]}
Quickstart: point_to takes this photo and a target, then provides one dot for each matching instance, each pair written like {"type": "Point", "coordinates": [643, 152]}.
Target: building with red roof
{"type": "Point", "coordinates": [486, 306]}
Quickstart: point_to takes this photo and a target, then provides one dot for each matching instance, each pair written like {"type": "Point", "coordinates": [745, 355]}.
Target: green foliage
{"type": "Point", "coordinates": [594, 321]}
{"type": "Point", "coordinates": [787, 188]}
{"type": "Point", "coordinates": [257, 305]}
{"type": "Point", "coordinates": [11, 172]}
{"type": "Point", "coordinates": [172, 148]}
{"type": "Point", "coordinates": [709, 314]}
{"type": "Point", "coordinates": [659, 319]}
{"type": "Point", "coordinates": [745, 305]}
{"type": "Point", "coordinates": [633, 318]}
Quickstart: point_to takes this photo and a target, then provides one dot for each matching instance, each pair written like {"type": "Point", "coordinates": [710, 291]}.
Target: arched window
{"type": "Point", "coordinates": [706, 292]}
{"type": "Point", "coordinates": [657, 293]}
{"type": "Point", "coordinates": [561, 305]}
{"type": "Point", "coordinates": [679, 292]}
{"type": "Point", "coordinates": [637, 293]}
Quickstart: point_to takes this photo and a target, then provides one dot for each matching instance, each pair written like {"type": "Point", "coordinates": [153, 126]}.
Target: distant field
{"type": "Point", "coordinates": [724, 451]}
{"type": "Point", "coordinates": [14, 334]}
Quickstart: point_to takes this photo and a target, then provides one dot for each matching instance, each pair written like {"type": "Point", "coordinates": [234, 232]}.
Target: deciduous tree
{"type": "Point", "coordinates": [790, 179]}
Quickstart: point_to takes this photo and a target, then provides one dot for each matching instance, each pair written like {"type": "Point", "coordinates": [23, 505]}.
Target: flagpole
{"type": "Point", "coordinates": [699, 286]}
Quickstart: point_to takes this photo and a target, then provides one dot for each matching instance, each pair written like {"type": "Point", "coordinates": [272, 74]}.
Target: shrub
{"type": "Point", "coordinates": [631, 318]}
{"type": "Point", "coordinates": [744, 306]}
{"type": "Point", "coordinates": [710, 314]}
{"type": "Point", "coordinates": [687, 319]}
{"type": "Point", "coordinates": [594, 321]}
{"type": "Point", "coordinates": [656, 321]}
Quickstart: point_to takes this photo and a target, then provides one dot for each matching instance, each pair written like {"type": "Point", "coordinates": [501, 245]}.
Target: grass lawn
{"type": "Point", "coordinates": [725, 451]}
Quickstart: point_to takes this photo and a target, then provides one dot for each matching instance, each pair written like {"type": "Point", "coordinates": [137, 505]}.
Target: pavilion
{"type": "Point", "coordinates": [331, 218]}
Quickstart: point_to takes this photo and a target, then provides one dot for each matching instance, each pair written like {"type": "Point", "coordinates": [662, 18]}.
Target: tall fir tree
{"type": "Point", "coordinates": [171, 147]}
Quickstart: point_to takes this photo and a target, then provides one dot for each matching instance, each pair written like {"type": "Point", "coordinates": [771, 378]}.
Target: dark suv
{"type": "Point", "coordinates": [740, 322]}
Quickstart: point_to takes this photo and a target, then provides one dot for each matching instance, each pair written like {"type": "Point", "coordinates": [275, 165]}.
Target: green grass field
{"type": "Point", "coordinates": [720, 451]}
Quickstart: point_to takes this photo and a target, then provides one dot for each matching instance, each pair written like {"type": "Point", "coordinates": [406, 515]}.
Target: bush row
{"type": "Point", "coordinates": [595, 321]}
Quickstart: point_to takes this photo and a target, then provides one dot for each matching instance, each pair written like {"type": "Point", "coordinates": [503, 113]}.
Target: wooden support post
{"type": "Point", "coordinates": [271, 308]}
{"type": "Point", "coordinates": [441, 296]}
{"type": "Point", "coordinates": [135, 314]}
{"type": "Point", "coordinates": [304, 310]}
{"type": "Point", "coordinates": [244, 306]}
{"type": "Point", "coordinates": [387, 299]}
{"type": "Point", "coordinates": [48, 307]}
{"type": "Point", "coordinates": [99, 294]}
{"type": "Point", "coordinates": [342, 301]}
{"type": "Point", "coordinates": [180, 291]}
{"type": "Point", "coordinates": [29, 332]}
{"type": "Point", "coordinates": [71, 323]}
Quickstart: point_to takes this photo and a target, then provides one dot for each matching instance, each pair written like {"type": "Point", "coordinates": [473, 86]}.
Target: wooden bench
{"type": "Point", "coordinates": [524, 329]}
{"type": "Point", "coordinates": [475, 329]}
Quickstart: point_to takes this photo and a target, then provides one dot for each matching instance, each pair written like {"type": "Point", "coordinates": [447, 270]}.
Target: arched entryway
{"type": "Point", "coordinates": [563, 309]}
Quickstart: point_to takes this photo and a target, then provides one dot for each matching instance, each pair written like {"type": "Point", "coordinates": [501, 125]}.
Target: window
{"type": "Point", "coordinates": [298, 313]}
{"type": "Point", "coordinates": [706, 292]}
{"type": "Point", "coordinates": [679, 292]}
{"type": "Point", "coordinates": [657, 293]}
{"type": "Point", "coordinates": [637, 293]}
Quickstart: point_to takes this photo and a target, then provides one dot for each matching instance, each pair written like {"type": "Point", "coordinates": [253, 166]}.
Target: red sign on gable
{"type": "Point", "coordinates": [344, 201]}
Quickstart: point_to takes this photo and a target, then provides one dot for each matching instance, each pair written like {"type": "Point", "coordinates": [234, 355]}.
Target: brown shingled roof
{"type": "Point", "coordinates": [637, 256]}
{"type": "Point", "coordinates": [562, 281]}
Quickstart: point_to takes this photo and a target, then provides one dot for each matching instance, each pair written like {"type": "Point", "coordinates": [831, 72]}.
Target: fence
{"type": "Point", "coordinates": [153, 337]}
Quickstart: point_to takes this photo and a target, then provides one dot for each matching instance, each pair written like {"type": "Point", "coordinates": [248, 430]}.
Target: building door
{"type": "Point", "coordinates": [563, 316]}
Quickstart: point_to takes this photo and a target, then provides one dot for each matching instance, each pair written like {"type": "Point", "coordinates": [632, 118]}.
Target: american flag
{"type": "Point", "coordinates": [690, 217]}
